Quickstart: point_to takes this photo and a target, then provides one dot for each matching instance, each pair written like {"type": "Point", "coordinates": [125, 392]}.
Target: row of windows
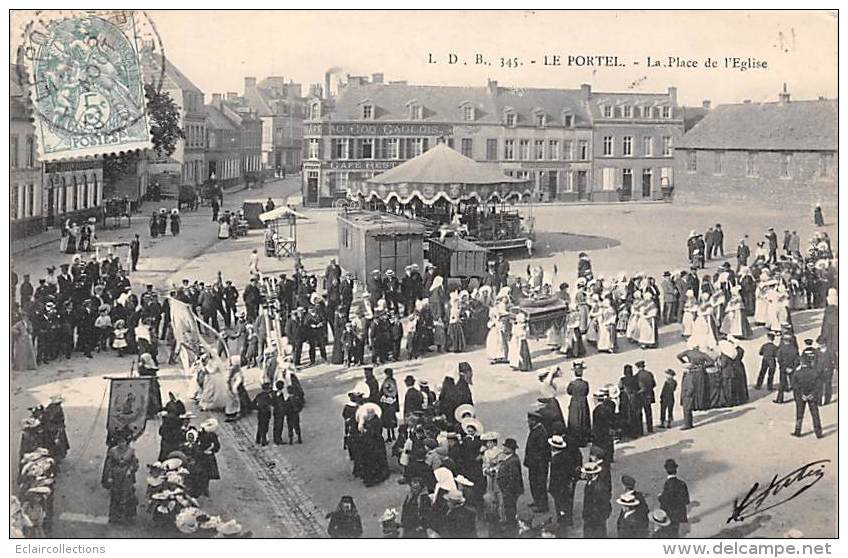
{"type": "Point", "coordinates": [752, 163]}
{"type": "Point", "coordinates": [630, 111]}
{"type": "Point", "coordinates": [21, 201]}
{"type": "Point", "coordinates": [195, 135]}
{"type": "Point", "coordinates": [627, 147]}
{"type": "Point", "coordinates": [538, 150]}
{"type": "Point", "coordinates": [370, 148]}
{"type": "Point", "coordinates": [613, 179]}
{"type": "Point", "coordinates": [15, 161]}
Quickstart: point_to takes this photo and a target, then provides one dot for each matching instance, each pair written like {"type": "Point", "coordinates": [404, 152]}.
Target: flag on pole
{"type": "Point", "coordinates": [193, 336]}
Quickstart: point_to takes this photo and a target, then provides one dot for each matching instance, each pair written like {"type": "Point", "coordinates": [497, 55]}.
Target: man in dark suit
{"type": "Point", "coordinates": [537, 457]}
{"type": "Point", "coordinates": [647, 383]}
{"type": "Point", "coordinates": [391, 290]}
{"type": "Point", "coordinates": [460, 522]}
{"type": "Point", "coordinates": [295, 334]}
{"type": "Point", "coordinates": [511, 485]}
{"type": "Point", "coordinates": [413, 402]}
{"type": "Point", "coordinates": [674, 497]}
{"type": "Point", "coordinates": [603, 422]}
{"type": "Point", "coordinates": [251, 297]}
{"type": "Point", "coordinates": [806, 387]}
{"type": "Point", "coordinates": [787, 361]}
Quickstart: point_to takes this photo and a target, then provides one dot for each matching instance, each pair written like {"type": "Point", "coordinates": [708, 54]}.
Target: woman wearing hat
{"type": "Point", "coordinates": [389, 403]}
{"type": "Point", "coordinates": [175, 222]}
{"type": "Point", "coordinates": [119, 479]}
{"type": "Point", "coordinates": [206, 464]}
{"type": "Point", "coordinates": [345, 522]}
{"type": "Point", "coordinates": [579, 418]}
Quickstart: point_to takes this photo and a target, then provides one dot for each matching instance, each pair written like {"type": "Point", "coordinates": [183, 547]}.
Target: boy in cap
{"type": "Point", "coordinates": [667, 399]}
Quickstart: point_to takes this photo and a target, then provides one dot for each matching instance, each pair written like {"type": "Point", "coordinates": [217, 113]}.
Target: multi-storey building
{"type": "Point", "coordinates": [26, 203]}
{"type": "Point", "coordinates": [234, 140]}
{"type": "Point", "coordinates": [634, 135]}
{"type": "Point", "coordinates": [775, 154]}
{"type": "Point", "coordinates": [188, 159]}
{"type": "Point", "coordinates": [548, 136]}
{"type": "Point", "coordinates": [281, 107]}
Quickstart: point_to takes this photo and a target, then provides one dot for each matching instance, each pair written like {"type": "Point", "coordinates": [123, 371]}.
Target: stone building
{"type": "Point", "coordinates": [281, 107]}
{"type": "Point", "coordinates": [27, 202]}
{"type": "Point", "coordinates": [234, 140]}
{"type": "Point", "coordinates": [550, 136]}
{"type": "Point", "coordinates": [774, 154]}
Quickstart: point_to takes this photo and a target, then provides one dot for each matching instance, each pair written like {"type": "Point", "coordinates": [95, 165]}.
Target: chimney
{"type": "Point", "coordinates": [216, 98]}
{"type": "Point", "coordinates": [315, 90]}
{"type": "Point", "coordinates": [492, 86]}
{"type": "Point", "coordinates": [327, 85]}
{"type": "Point", "coordinates": [377, 78]}
{"type": "Point", "coordinates": [706, 104]}
{"type": "Point", "coordinates": [672, 95]}
{"type": "Point", "coordinates": [249, 83]}
{"type": "Point", "coordinates": [747, 101]}
{"type": "Point", "coordinates": [586, 91]}
{"type": "Point", "coordinates": [232, 95]}
{"type": "Point", "coordinates": [784, 97]}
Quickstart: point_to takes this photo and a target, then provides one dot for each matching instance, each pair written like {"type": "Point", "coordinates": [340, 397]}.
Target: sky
{"type": "Point", "coordinates": [216, 50]}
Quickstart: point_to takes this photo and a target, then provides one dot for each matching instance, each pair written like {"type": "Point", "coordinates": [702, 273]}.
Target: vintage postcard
{"type": "Point", "coordinates": [425, 274]}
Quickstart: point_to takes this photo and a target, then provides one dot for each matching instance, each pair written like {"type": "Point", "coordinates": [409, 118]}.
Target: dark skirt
{"type": "Point", "coordinates": [702, 389]}
{"type": "Point", "coordinates": [456, 338]}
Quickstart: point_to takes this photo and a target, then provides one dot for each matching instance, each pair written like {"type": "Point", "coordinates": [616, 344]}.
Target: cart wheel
{"type": "Point", "coordinates": [341, 203]}
{"type": "Point", "coordinates": [355, 205]}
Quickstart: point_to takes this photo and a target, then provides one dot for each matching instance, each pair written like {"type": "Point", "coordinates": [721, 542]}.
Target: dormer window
{"type": "Point", "coordinates": [416, 111]}
{"type": "Point", "coordinates": [468, 112]}
{"type": "Point", "coordinates": [627, 111]}
{"type": "Point", "coordinates": [646, 111]}
{"type": "Point", "coordinates": [315, 111]}
{"type": "Point", "coordinates": [540, 119]}
{"type": "Point", "coordinates": [606, 110]}
{"type": "Point", "coordinates": [567, 119]}
{"type": "Point", "coordinates": [510, 118]}
{"type": "Point", "coordinates": [666, 112]}
{"type": "Point", "coordinates": [368, 112]}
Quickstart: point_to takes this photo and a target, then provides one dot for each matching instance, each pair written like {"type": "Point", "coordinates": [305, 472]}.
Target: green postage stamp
{"type": "Point", "coordinates": [87, 81]}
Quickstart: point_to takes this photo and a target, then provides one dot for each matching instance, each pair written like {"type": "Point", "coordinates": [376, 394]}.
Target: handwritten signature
{"type": "Point", "coordinates": [758, 499]}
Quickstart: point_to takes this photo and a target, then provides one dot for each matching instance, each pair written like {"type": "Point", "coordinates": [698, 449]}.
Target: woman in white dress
{"type": "Point", "coordinates": [735, 322]}
{"type": "Point", "coordinates": [223, 229]}
{"type": "Point", "coordinates": [690, 312]}
{"type": "Point", "coordinates": [234, 381]}
{"type": "Point", "coordinates": [215, 394]}
{"type": "Point", "coordinates": [773, 320]}
{"type": "Point", "coordinates": [634, 318]}
{"type": "Point", "coordinates": [704, 331]}
{"type": "Point", "coordinates": [496, 344]}
{"type": "Point", "coordinates": [519, 349]}
{"type": "Point", "coordinates": [594, 318]}
{"type": "Point", "coordinates": [648, 322]}
{"type": "Point", "coordinates": [761, 292]}
{"type": "Point", "coordinates": [607, 333]}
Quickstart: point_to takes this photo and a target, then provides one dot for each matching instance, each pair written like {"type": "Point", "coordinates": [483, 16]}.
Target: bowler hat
{"type": "Point", "coordinates": [511, 444]}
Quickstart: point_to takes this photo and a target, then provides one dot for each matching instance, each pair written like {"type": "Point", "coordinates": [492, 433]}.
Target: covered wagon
{"type": "Point", "coordinates": [373, 240]}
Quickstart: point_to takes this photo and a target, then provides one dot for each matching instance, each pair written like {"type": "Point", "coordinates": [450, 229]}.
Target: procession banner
{"type": "Point", "coordinates": [193, 336]}
{"type": "Point", "coordinates": [128, 399]}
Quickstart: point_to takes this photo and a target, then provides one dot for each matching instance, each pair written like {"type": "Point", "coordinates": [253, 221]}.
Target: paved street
{"type": "Point", "coordinates": [285, 490]}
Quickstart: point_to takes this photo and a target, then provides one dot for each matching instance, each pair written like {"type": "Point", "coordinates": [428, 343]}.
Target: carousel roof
{"type": "Point", "coordinates": [442, 165]}
{"type": "Point", "coordinates": [279, 213]}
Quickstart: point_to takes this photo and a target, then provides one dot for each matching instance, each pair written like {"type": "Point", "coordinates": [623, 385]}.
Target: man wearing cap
{"type": "Point", "coordinates": [537, 456]}
{"type": "Point", "coordinates": [603, 424]}
{"type": "Point", "coordinates": [511, 485]}
{"type": "Point", "coordinates": [647, 383]}
{"type": "Point", "coordinates": [674, 497]}
{"type": "Point", "coordinates": [806, 387]}
{"type": "Point", "coordinates": [787, 360]}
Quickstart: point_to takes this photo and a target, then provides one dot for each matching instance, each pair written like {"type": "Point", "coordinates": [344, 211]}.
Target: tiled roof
{"type": "Point", "coordinates": [215, 119]}
{"type": "Point", "coordinates": [259, 101]}
{"type": "Point", "coordinates": [792, 126]}
{"type": "Point", "coordinates": [615, 100]}
{"type": "Point", "coordinates": [174, 78]}
{"type": "Point", "coordinates": [444, 104]}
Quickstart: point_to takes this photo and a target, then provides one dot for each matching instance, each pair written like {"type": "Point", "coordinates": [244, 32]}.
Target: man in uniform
{"type": "Point", "coordinates": [806, 387]}
{"type": "Point", "coordinates": [537, 457]}
{"type": "Point", "coordinates": [647, 383]}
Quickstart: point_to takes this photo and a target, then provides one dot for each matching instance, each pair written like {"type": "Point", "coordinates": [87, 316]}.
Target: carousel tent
{"type": "Point", "coordinates": [281, 212]}
{"type": "Point", "coordinates": [442, 172]}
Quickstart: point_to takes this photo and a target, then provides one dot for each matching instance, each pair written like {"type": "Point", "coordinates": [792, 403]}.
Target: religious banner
{"type": "Point", "coordinates": [193, 335]}
{"type": "Point", "coordinates": [128, 399]}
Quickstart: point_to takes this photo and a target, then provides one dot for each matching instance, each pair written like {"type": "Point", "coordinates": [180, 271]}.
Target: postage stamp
{"type": "Point", "coordinates": [87, 83]}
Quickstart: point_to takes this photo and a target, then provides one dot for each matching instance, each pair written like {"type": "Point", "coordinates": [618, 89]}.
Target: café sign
{"type": "Point", "coordinates": [382, 129]}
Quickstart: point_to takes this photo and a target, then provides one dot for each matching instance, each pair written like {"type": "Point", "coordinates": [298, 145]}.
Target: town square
{"type": "Point", "coordinates": [375, 306]}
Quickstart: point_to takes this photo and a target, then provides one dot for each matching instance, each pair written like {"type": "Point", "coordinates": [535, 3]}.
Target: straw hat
{"type": "Point", "coordinates": [591, 467]}
{"type": "Point", "coordinates": [489, 436]}
{"type": "Point", "coordinates": [556, 441]}
{"type": "Point", "coordinates": [209, 425]}
{"type": "Point", "coordinates": [628, 500]}
{"type": "Point", "coordinates": [661, 518]}
{"type": "Point", "coordinates": [463, 411]}
{"type": "Point", "coordinates": [172, 464]}
{"type": "Point", "coordinates": [368, 409]}
{"type": "Point", "coordinates": [471, 423]}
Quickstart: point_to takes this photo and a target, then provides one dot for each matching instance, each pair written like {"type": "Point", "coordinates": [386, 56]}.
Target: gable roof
{"type": "Point", "coordinates": [442, 165]}
{"type": "Point", "coordinates": [791, 126]}
{"type": "Point", "coordinates": [174, 79]}
{"type": "Point", "coordinates": [216, 119]}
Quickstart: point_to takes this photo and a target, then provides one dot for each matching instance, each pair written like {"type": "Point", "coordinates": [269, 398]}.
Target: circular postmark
{"type": "Point", "coordinates": [88, 71]}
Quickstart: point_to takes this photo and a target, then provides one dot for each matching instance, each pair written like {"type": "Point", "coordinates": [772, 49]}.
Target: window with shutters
{"type": "Point", "coordinates": [466, 147]}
